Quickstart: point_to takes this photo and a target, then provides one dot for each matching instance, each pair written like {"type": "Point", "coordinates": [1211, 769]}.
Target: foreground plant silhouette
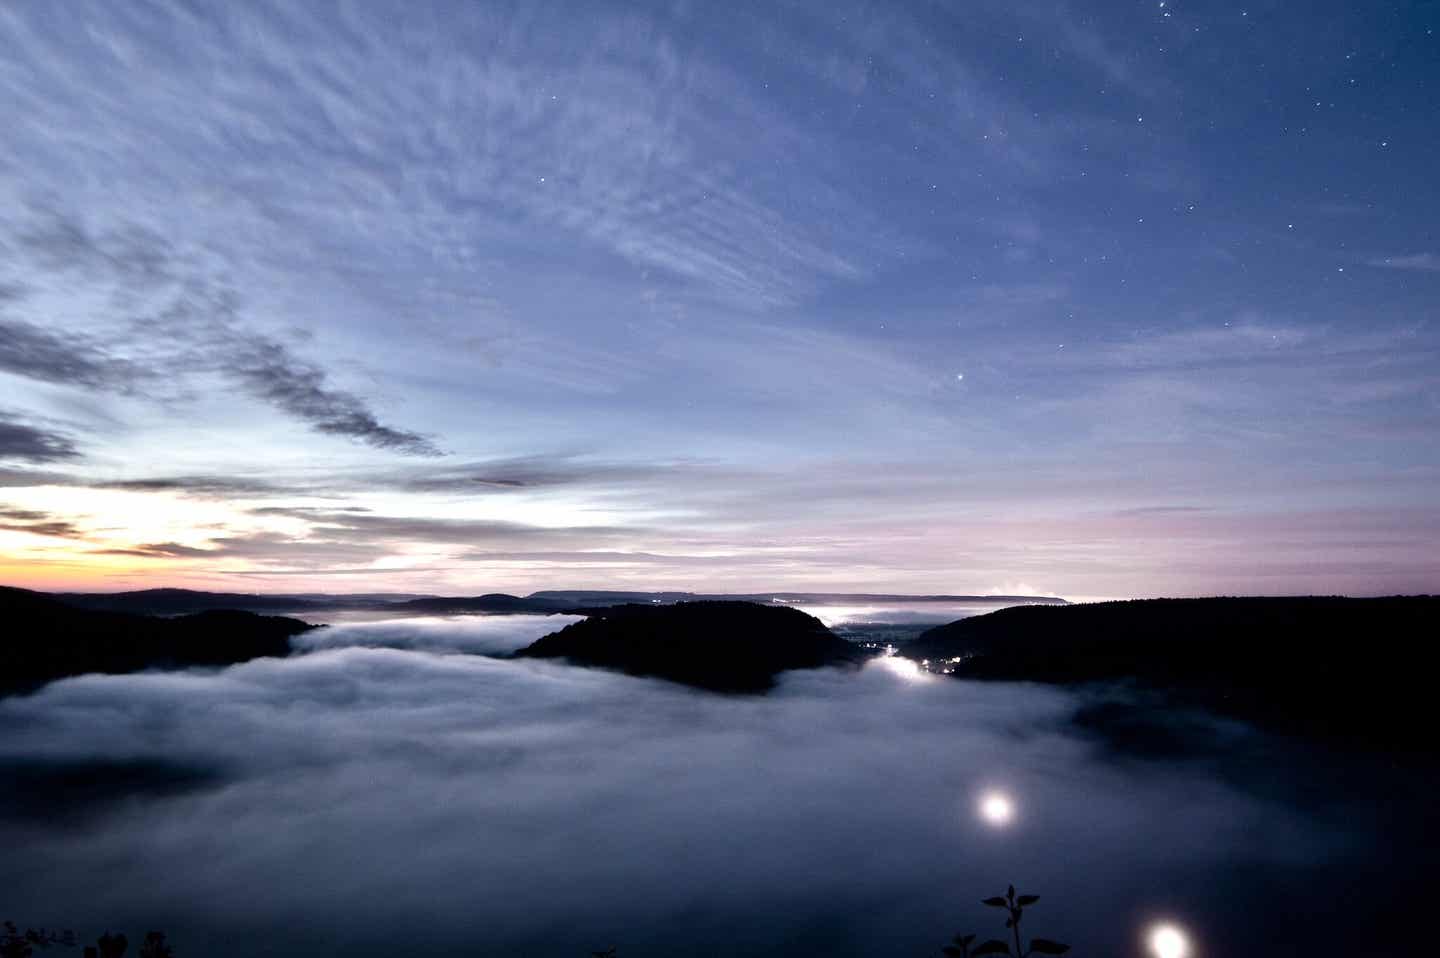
{"type": "Point", "coordinates": [15, 943]}
{"type": "Point", "coordinates": [113, 946]}
{"type": "Point", "coordinates": [1014, 905]}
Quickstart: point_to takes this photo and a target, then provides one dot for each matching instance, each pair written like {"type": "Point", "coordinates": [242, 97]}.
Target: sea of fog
{"type": "Point", "coordinates": [392, 790]}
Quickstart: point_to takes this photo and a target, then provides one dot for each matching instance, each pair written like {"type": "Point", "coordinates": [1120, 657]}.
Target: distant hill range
{"type": "Point", "coordinates": [1334, 667]}
{"type": "Point", "coordinates": [46, 639]}
{"type": "Point", "coordinates": [1328, 668]}
{"type": "Point", "coordinates": [603, 598]}
{"type": "Point", "coordinates": [182, 601]}
{"type": "Point", "coordinates": [721, 646]}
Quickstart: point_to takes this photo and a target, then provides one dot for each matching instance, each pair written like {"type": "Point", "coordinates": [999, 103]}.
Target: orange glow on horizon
{"type": "Point", "coordinates": [91, 573]}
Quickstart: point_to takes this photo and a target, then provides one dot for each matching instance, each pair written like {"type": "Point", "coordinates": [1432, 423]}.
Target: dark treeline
{"type": "Point", "coordinates": [1337, 668]}
{"type": "Point", "coordinates": [15, 943]}
{"type": "Point", "coordinates": [188, 601]}
{"type": "Point", "coordinates": [45, 639]}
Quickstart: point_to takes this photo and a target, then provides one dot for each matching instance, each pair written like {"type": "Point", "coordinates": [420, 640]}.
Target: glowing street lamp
{"type": "Point", "coordinates": [996, 809]}
{"type": "Point", "coordinates": [1168, 941]}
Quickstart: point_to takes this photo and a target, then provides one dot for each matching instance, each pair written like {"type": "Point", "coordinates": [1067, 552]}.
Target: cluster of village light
{"type": "Point", "coordinates": [909, 668]}
{"type": "Point", "coordinates": [943, 666]}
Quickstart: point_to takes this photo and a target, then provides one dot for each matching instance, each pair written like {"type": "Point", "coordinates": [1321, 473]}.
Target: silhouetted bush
{"type": "Point", "coordinates": [1014, 905]}
{"type": "Point", "coordinates": [15, 943]}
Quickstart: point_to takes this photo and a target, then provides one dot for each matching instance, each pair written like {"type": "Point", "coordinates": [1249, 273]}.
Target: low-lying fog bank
{"type": "Point", "coordinates": [381, 794]}
{"type": "Point", "coordinates": [477, 634]}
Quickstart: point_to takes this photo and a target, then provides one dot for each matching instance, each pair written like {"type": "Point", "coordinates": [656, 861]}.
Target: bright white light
{"type": "Point", "coordinates": [997, 809]}
{"type": "Point", "coordinates": [902, 667]}
{"type": "Point", "coordinates": [1168, 941]}
{"type": "Point", "coordinates": [833, 615]}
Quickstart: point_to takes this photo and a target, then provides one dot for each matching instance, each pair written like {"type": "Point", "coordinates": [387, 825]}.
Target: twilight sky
{"type": "Point", "coordinates": [1093, 299]}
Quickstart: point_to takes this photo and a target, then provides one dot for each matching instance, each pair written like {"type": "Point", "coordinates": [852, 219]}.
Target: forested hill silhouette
{"type": "Point", "coordinates": [1334, 667]}
{"type": "Point", "coordinates": [184, 601]}
{"type": "Point", "coordinates": [599, 597]}
{"type": "Point", "coordinates": [583, 600]}
{"type": "Point", "coordinates": [46, 639]}
{"type": "Point", "coordinates": [720, 646]}
{"type": "Point", "coordinates": [491, 602]}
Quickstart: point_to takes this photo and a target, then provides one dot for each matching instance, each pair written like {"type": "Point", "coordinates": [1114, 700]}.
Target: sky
{"type": "Point", "coordinates": [1002, 296]}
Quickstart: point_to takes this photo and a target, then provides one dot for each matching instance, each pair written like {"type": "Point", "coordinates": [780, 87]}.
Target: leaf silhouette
{"type": "Point", "coordinates": [1047, 947]}
{"type": "Point", "coordinates": [992, 947]}
{"type": "Point", "coordinates": [953, 952]}
{"type": "Point", "coordinates": [1027, 899]}
{"type": "Point", "coordinates": [996, 902]}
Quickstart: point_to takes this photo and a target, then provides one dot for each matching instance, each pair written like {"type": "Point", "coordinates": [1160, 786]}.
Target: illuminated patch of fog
{"type": "Point", "coordinates": [916, 613]}
{"type": "Point", "coordinates": [900, 667]}
{"type": "Point", "coordinates": [373, 801]}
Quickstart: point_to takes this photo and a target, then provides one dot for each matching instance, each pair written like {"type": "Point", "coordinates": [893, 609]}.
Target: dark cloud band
{"type": "Point", "coordinates": [26, 443]}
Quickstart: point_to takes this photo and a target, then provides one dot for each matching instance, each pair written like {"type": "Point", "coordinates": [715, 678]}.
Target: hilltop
{"type": "Point", "coordinates": [1328, 666]}
{"type": "Point", "coordinates": [46, 639]}
{"type": "Point", "coordinates": [720, 646]}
